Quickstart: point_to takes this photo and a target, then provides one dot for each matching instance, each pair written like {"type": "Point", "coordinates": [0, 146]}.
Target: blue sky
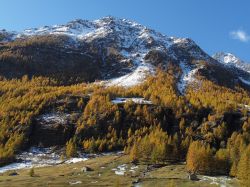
{"type": "Point", "coordinates": [216, 25]}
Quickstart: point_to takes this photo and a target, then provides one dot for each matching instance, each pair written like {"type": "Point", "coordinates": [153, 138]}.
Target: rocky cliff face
{"type": "Point", "coordinates": [57, 123]}
{"type": "Point", "coordinates": [52, 129]}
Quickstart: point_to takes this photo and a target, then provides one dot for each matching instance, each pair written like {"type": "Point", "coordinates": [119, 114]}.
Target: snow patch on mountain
{"type": "Point", "coordinates": [77, 30]}
{"type": "Point", "coordinates": [137, 100]}
{"type": "Point", "coordinates": [39, 157]}
{"type": "Point", "coordinates": [6, 36]}
{"type": "Point", "coordinates": [245, 81]}
{"type": "Point", "coordinates": [187, 77]}
{"type": "Point", "coordinates": [132, 79]}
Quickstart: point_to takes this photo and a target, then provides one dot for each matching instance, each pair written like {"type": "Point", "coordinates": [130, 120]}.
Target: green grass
{"type": "Point", "coordinates": [176, 175]}
{"type": "Point", "coordinates": [103, 175]}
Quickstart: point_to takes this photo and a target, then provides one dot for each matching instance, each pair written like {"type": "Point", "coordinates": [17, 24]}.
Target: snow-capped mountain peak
{"type": "Point", "coordinates": [232, 60]}
{"type": "Point", "coordinates": [122, 52]}
{"type": "Point", "coordinates": [227, 58]}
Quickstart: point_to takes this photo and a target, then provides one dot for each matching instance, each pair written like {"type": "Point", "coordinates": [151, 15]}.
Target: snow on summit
{"type": "Point", "coordinates": [231, 60]}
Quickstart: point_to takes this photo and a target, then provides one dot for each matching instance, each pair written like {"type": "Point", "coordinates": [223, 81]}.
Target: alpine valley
{"type": "Point", "coordinates": [112, 94]}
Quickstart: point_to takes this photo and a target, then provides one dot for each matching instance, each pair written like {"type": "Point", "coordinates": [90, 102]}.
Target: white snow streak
{"type": "Point", "coordinates": [188, 76]}
{"type": "Point", "coordinates": [134, 78]}
{"type": "Point", "coordinates": [120, 100]}
{"type": "Point", "coordinates": [38, 157]}
{"type": "Point", "coordinates": [245, 81]}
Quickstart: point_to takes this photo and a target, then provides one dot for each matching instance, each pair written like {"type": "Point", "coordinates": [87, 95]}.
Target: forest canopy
{"type": "Point", "coordinates": [209, 118]}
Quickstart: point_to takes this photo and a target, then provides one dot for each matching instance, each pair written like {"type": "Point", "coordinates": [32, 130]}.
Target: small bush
{"type": "Point", "coordinates": [32, 172]}
{"type": "Point", "coordinates": [71, 148]}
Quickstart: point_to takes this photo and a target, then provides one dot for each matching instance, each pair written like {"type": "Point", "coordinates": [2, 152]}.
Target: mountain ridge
{"type": "Point", "coordinates": [124, 52]}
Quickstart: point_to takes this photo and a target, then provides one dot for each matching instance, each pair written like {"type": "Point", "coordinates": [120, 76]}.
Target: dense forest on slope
{"type": "Point", "coordinates": [209, 126]}
{"type": "Point", "coordinates": [48, 56]}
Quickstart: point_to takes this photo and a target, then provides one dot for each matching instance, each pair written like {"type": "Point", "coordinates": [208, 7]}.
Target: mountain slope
{"type": "Point", "coordinates": [118, 51]}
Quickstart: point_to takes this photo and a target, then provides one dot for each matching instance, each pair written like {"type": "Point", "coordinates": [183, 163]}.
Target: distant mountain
{"type": "Point", "coordinates": [232, 60]}
{"type": "Point", "coordinates": [117, 51]}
